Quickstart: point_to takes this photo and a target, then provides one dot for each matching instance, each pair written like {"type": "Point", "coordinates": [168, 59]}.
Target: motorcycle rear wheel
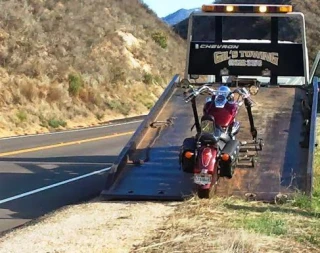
{"type": "Point", "coordinates": [205, 193]}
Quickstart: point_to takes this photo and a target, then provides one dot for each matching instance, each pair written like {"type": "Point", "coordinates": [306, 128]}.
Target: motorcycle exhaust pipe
{"type": "Point", "coordinates": [229, 155]}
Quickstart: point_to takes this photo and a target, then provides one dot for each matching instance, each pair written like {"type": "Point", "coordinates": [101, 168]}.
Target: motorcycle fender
{"type": "Point", "coordinates": [207, 163]}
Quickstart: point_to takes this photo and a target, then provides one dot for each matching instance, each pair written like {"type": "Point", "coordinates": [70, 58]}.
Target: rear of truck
{"type": "Point", "coordinates": [148, 167]}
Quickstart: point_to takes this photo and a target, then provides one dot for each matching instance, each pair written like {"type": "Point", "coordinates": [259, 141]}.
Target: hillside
{"type": "Point", "coordinates": [178, 16]}
{"type": "Point", "coordinates": [68, 63]}
{"type": "Point", "coordinates": [252, 28]}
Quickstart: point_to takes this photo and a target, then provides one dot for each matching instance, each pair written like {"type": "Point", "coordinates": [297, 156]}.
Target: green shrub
{"type": "Point", "coordinates": [99, 116]}
{"type": "Point", "coordinates": [147, 78]}
{"type": "Point", "coordinates": [160, 38]}
{"type": "Point", "coordinates": [118, 74]}
{"type": "Point", "coordinates": [267, 224]}
{"type": "Point", "coordinates": [144, 98]}
{"type": "Point", "coordinates": [55, 123]}
{"type": "Point", "coordinates": [75, 84]}
{"type": "Point", "coordinates": [120, 107]}
{"type": "Point", "coordinates": [149, 104]}
{"type": "Point", "coordinates": [22, 116]}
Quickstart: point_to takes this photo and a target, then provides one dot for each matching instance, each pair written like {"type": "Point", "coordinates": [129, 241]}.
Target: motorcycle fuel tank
{"type": "Point", "coordinates": [223, 116]}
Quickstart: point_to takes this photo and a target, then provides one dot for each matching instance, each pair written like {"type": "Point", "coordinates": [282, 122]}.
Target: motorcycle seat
{"type": "Point", "coordinates": [209, 138]}
{"type": "Point", "coordinates": [214, 138]}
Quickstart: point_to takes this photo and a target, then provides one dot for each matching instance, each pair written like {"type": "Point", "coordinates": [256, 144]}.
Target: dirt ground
{"type": "Point", "coordinates": [90, 227]}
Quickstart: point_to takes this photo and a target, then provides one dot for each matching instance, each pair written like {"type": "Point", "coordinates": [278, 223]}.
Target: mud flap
{"type": "Point", "coordinates": [187, 164]}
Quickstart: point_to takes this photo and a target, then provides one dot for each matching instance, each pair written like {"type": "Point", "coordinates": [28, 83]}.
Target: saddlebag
{"type": "Point", "coordinates": [187, 164]}
{"type": "Point", "coordinates": [227, 167]}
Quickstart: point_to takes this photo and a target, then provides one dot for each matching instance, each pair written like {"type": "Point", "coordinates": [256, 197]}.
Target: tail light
{"type": "Point", "coordinates": [225, 157]}
{"type": "Point", "coordinates": [188, 155]}
{"type": "Point", "coordinates": [206, 157]}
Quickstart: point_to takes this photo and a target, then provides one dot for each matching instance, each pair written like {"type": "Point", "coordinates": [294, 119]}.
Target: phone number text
{"type": "Point", "coordinates": [245, 63]}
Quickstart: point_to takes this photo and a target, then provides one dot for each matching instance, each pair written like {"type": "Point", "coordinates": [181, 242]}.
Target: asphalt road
{"type": "Point", "coordinates": [41, 173]}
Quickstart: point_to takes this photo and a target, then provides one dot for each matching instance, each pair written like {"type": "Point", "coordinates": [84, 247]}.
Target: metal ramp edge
{"type": "Point", "coordinates": [118, 166]}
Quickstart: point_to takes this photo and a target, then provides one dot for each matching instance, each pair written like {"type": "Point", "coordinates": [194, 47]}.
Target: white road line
{"type": "Point", "coordinates": [52, 186]}
{"type": "Point", "coordinates": [75, 130]}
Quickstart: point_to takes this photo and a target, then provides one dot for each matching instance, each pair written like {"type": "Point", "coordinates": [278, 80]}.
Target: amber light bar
{"type": "Point", "coordinates": [247, 8]}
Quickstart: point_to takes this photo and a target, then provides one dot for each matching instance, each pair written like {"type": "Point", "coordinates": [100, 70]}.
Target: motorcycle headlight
{"type": "Point", "coordinates": [220, 100]}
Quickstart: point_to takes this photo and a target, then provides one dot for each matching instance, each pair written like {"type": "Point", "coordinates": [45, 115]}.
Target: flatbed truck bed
{"type": "Point", "coordinates": [149, 169]}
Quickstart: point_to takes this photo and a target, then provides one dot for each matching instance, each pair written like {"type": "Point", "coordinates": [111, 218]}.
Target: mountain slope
{"type": "Point", "coordinates": [252, 28]}
{"type": "Point", "coordinates": [178, 16]}
{"type": "Point", "coordinates": [66, 63]}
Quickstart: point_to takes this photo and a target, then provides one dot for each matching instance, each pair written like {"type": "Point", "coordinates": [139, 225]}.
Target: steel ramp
{"type": "Point", "coordinates": [158, 176]}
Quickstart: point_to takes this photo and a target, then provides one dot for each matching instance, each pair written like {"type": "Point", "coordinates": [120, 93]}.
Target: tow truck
{"type": "Point", "coordinates": [285, 112]}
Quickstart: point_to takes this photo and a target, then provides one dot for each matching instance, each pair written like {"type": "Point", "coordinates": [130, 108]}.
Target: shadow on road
{"type": "Point", "coordinates": [63, 159]}
{"type": "Point", "coordinates": [28, 174]}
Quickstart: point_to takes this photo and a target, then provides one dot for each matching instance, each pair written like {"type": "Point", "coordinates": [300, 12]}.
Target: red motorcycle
{"type": "Point", "coordinates": [214, 151]}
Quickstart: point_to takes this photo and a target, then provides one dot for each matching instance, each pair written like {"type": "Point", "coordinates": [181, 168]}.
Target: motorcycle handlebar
{"type": "Point", "coordinates": [241, 91]}
{"type": "Point", "coordinates": [198, 91]}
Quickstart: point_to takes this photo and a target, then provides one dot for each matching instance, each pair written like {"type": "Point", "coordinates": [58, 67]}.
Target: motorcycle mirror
{"type": "Point", "coordinates": [195, 77]}
{"type": "Point", "coordinates": [184, 83]}
{"type": "Point", "coordinates": [253, 89]}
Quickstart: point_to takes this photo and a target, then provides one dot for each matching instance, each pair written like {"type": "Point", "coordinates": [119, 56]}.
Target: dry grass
{"type": "Point", "coordinates": [222, 225]}
{"type": "Point", "coordinates": [58, 61]}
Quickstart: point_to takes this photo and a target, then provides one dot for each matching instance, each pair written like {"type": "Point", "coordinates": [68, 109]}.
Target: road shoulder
{"type": "Point", "coordinates": [90, 227]}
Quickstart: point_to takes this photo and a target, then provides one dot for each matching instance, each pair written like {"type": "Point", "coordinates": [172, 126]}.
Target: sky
{"type": "Point", "coordinates": [166, 7]}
